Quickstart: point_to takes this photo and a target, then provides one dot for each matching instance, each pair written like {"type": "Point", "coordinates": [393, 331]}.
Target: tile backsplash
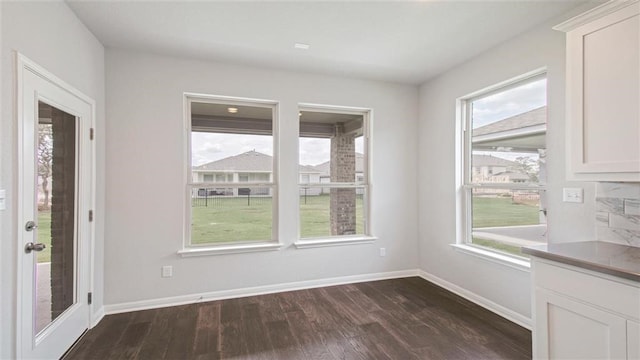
{"type": "Point", "coordinates": [618, 213]}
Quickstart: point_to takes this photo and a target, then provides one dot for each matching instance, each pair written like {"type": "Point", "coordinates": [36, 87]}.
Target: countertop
{"type": "Point", "coordinates": [608, 258]}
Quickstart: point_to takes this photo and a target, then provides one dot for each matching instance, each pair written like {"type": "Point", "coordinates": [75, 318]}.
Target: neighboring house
{"type": "Point", "coordinates": [486, 166]}
{"type": "Point", "coordinates": [523, 133]}
{"type": "Point", "coordinates": [249, 167]}
{"type": "Point", "coordinates": [509, 176]}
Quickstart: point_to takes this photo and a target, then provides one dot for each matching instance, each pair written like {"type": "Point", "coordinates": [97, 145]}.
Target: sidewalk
{"type": "Point", "coordinates": [43, 296]}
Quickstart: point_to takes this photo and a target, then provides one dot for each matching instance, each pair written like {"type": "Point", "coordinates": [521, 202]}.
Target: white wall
{"type": "Point", "coordinates": [145, 185]}
{"type": "Point", "coordinates": [503, 285]}
{"type": "Point", "coordinates": [49, 34]}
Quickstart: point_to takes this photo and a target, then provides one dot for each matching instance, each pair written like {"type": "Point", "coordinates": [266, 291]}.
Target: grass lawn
{"type": "Point", "coordinates": [44, 235]}
{"type": "Point", "coordinates": [314, 216]}
{"type": "Point", "coordinates": [499, 211]}
{"type": "Point", "coordinates": [233, 219]}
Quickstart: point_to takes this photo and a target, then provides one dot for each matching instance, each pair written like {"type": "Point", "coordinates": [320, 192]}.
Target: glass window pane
{"type": "Point", "coordinates": [231, 144]}
{"type": "Point", "coordinates": [231, 214]}
{"type": "Point", "coordinates": [326, 212]}
{"type": "Point", "coordinates": [508, 140]}
{"type": "Point", "coordinates": [327, 137]}
{"type": "Point", "coordinates": [332, 150]}
{"type": "Point", "coordinates": [507, 146]}
{"type": "Point", "coordinates": [55, 271]}
{"type": "Point", "coordinates": [505, 220]}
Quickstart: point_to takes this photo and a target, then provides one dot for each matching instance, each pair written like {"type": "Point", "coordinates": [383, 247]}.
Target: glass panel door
{"type": "Point", "coordinates": [55, 269]}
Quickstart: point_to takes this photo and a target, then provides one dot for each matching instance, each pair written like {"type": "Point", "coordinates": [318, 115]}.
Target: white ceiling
{"type": "Point", "coordinates": [407, 42]}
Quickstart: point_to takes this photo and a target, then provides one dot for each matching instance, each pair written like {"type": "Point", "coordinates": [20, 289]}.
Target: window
{"type": "Point", "coordinates": [333, 173]}
{"type": "Point", "coordinates": [231, 196]}
{"type": "Point", "coordinates": [503, 202]}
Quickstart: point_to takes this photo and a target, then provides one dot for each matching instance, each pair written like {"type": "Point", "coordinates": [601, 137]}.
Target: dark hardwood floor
{"type": "Point", "coordinates": [391, 319]}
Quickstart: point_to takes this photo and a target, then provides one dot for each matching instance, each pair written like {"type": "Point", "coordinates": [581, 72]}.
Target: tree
{"type": "Point", "coordinates": [45, 159]}
{"type": "Point", "coordinates": [528, 166]}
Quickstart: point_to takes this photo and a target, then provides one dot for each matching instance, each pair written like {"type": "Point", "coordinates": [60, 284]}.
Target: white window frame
{"type": "Point", "coordinates": [464, 186]}
{"type": "Point", "coordinates": [231, 247]}
{"type": "Point", "coordinates": [367, 237]}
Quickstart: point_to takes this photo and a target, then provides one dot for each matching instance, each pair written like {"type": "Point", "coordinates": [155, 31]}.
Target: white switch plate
{"type": "Point", "coordinates": [3, 199]}
{"type": "Point", "coordinates": [167, 271]}
{"type": "Point", "coordinates": [572, 195]}
{"type": "Point", "coordinates": [383, 252]}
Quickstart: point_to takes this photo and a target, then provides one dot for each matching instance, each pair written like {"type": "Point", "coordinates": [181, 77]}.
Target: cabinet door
{"type": "Point", "coordinates": [603, 99]}
{"type": "Point", "coordinates": [633, 340]}
{"type": "Point", "coordinates": [568, 329]}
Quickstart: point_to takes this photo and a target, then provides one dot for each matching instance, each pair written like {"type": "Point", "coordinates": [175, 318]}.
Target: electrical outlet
{"type": "Point", "coordinates": [167, 271]}
{"type": "Point", "coordinates": [383, 252]}
{"type": "Point", "coordinates": [572, 195]}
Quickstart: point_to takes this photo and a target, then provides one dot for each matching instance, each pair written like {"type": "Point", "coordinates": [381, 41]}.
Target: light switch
{"type": "Point", "coordinates": [3, 199]}
{"type": "Point", "coordinates": [572, 195]}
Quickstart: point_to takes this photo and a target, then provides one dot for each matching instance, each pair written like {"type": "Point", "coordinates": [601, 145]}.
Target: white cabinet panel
{"type": "Point", "coordinates": [603, 93]}
{"type": "Point", "coordinates": [578, 331]}
{"type": "Point", "coordinates": [583, 314]}
{"type": "Point", "coordinates": [611, 118]}
{"type": "Point", "coordinates": [633, 340]}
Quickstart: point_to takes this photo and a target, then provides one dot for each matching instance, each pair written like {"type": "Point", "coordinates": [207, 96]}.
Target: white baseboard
{"type": "Point", "coordinates": [508, 314]}
{"type": "Point", "coordinates": [252, 291]}
{"type": "Point", "coordinates": [310, 284]}
{"type": "Point", "coordinates": [97, 316]}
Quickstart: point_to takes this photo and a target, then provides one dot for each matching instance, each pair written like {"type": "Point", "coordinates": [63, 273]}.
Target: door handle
{"type": "Point", "coordinates": [34, 247]}
{"type": "Point", "coordinates": [30, 226]}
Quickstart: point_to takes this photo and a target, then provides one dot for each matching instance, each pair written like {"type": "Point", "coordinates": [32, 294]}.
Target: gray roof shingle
{"type": "Point", "coordinates": [530, 118]}
{"type": "Point", "coordinates": [488, 160]}
{"type": "Point", "coordinates": [250, 161]}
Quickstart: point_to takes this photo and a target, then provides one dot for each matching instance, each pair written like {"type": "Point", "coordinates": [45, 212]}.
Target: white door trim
{"type": "Point", "coordinates": [22, 64]}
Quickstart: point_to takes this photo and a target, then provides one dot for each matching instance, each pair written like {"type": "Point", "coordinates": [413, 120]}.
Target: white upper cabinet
{"type": "Point", "coordinates": [603, 93]}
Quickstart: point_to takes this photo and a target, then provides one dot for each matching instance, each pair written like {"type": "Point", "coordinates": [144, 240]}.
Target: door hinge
{"type": "Point", "coordinates": [89, 298]}
{"type": "Point", "coordinates": [91, 134]}
{"type": "Point", "coordinates": [90, 215]}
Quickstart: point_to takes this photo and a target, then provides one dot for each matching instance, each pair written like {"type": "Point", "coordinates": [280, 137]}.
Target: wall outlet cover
{"type": "Point", "coordinates": [167, 271]}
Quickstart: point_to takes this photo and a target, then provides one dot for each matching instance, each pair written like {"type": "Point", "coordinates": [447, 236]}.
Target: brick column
{"type": "Point", "coordinates": [343, 169]}
{"type": "Point", "coordinates": [62, 211]}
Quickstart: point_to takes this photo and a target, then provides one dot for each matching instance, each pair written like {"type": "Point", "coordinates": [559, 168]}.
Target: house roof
{"type": "Point", "coordinates": [250, 161]}
{"type": "Point", "coordinates": [525, 133]}
{"type": "Point", "coordinates": [530, 118]}
{"type": "Point", "coordinates": [489, 160]}
{"type": "Point", "coordinates": [513, 175]}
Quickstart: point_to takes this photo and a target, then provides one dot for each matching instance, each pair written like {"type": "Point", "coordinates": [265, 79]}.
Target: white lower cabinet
{"type": "Point", "coordinates": [633, 339]}
{"type": "Point", "coordinates": [579, 315]}
{"type": "Point", "coordinates": [578, 331]}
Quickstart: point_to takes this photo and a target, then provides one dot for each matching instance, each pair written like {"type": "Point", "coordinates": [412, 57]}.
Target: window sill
{"type": "Point", "coordinates": [228, 249]}
{"type": "Point", "coordinates": [506, 260]}
{"type": "Point", "coordinates": [324, 242]}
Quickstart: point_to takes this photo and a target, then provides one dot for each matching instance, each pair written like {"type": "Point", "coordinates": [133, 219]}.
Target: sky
{"type": "Point", "coordinates": [509, 103]}
{"type": "Point", "coordinates": [207, 147]}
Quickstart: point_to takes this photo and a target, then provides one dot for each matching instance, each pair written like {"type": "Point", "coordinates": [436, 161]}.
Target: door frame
{"type": "Point", "coordinates": [21, 65]}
